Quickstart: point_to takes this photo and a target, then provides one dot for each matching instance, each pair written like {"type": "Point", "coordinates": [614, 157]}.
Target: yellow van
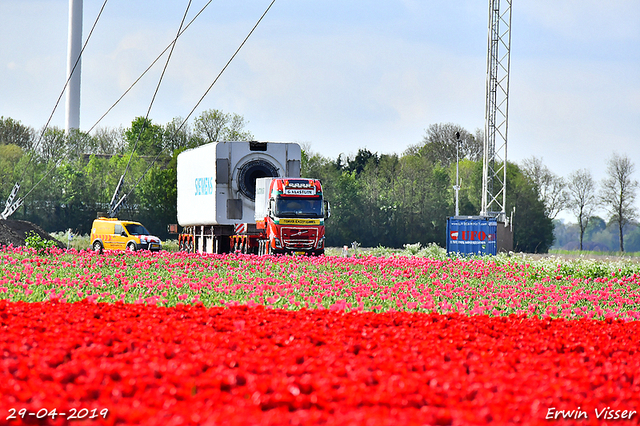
{"type": "Point", "coordinates": [113, 234]}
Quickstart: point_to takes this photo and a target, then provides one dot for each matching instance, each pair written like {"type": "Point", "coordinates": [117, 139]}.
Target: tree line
{"type": "Point", "coordinates": [377, 199]}
{"type": "Point", "coordinates": [70, 177]}
{"type": "Point", "coordinates": [583, 197]}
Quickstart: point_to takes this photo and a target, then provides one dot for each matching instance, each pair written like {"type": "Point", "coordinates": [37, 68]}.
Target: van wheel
{"type": "Point", "coordinates": [97, 246]}
{"type": "Point", "coordinates": [131, 247]}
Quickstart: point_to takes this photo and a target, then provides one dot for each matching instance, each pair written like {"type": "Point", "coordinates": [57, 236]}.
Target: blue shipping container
{"type": "Point", "coordinates": [472, 235]}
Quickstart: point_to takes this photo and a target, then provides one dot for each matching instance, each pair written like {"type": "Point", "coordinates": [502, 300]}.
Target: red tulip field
{"type": "Point", "coordinates": [182, 339]}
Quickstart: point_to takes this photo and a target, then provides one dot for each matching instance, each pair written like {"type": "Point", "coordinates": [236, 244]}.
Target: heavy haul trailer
{"type": "Point", "coordinates": [217, 194]}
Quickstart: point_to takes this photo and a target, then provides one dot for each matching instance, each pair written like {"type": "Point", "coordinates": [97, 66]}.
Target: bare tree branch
{"type": "Point", "coordinates": [551, 188]}
{"type": "Point", "coordinates": [582, 200]}
{"type": "Point", "coordinates": [618, 192]}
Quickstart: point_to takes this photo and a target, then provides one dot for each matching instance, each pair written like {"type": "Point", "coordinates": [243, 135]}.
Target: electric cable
{"type": "Point", "coordinates": [46, 126]}
{"type": "Point", "coordinates": [50, 169]}
{"type": "Point", "coordinates": [11, 205]}
{"type": "Point", "coordinates": [148, 68]}
{"type": "Point", "coordinates": [203, 96]}
{"type": "Point", "coordinates": [171, 45]}
{"type": "Point", "coordinates": [225, 67]}
{"type": "Point", "coordinates": [142, 128]}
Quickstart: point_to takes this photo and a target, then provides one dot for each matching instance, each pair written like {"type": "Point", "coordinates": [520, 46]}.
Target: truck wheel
{"type": "Point", "coordinates": [131, 247]}
{"type": "Point", "coordinates": [97, 246]}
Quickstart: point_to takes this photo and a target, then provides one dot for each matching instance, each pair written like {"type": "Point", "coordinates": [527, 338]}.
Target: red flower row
{"type": "Point", "coordinates": [192, 365]}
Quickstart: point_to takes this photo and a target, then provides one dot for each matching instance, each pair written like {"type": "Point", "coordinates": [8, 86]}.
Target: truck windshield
{"type": "Point", "coordinates": [298, 207]}
{"type": "Point", "coordinates": [134, 229]}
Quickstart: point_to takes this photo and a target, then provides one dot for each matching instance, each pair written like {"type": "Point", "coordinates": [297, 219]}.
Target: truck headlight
{"type": "Point", "coordinates": [277, 242]}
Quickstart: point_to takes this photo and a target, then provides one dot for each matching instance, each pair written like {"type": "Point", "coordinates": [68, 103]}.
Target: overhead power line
{"type": "Point", "coordinates": [227, 65]}
{"type": "Point", "coordinates": [149, 67]}
{"type": "Point", "coordinates": [12, 203]}
{"type": "Point", "coordinates": [175, 132]}
{"type": "Point", "coordinates": [113, 206]}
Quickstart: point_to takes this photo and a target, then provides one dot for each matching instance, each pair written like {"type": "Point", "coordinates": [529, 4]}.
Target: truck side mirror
{"type": "Point", "coordinates": [272, 207]}
{"type": "Point", "coordinates": [327, 210]}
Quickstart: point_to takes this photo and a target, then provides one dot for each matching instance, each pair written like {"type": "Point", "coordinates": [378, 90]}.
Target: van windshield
{"type": "Point", "coordinates": [135, 229]}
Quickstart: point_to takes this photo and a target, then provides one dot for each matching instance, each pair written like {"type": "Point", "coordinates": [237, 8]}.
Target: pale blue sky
{"type": "Point", "coordinates": [343, 75]}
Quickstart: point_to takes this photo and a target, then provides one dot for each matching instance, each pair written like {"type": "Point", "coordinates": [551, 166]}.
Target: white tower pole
{"type": "Point", "coordinates": [72, 115]}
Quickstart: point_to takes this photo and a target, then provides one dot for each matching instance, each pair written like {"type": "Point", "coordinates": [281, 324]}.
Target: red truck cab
{"type": "Point", "coordinates": [294, 219]}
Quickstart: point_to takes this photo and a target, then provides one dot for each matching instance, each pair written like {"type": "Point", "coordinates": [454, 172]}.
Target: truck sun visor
{"type": "Point", "coordinates": [252, 170]}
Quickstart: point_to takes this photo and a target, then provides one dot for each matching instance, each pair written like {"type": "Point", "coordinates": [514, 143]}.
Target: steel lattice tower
{"type": "Point", "coordinates": [494, 171]}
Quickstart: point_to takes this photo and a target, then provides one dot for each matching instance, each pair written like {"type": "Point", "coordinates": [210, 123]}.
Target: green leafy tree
{"type": "Point", "coordinates": [379, 209]}
{"type": "Point", "coordinates": [178, 136]}
{"type": "Point", "coordinates": [633, 239]}
{"type": "Point", "coordinates": [13, 132]}
{"type": "Point", "coordinates": [361, 160]}
{"type": "Point", "coordinates": [10, 156]}
{"type": "Point", "coordinates": [346, 211]}
{"type": "Point", "coordinates": [74, 206]}
{"type": "Point", "coordinates": [470, 179]}
{"type": "Point", "coordinates": [596, 224]}
{"type": "Point", "coordinates": [216, 126]}
{"type": "Point", "coordinates": [79, 143]}
{"type": "Point", "coordinates": [441, 141]}
{"type": "Point", "coordinates": [109, 141]}
{"type": "Point", "coordinates": [52, 146]}
{"type": "Point", "coordinates": [144, 137]}
{"type": "Point", "coordinates": [157, 195]}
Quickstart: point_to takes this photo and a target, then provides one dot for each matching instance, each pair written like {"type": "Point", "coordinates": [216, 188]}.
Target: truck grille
{"type": "Point", "coordinates": [299, 238]}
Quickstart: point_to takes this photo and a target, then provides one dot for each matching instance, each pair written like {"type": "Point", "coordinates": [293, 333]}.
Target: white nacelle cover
{"type": "Point", "coordinates": [216, 182]}
{"type": "Point", "coordinates": [262, 198]}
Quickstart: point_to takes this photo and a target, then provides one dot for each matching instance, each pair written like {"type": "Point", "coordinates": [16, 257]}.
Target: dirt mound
{"type": "Point", "coordinates": [16, 231]}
